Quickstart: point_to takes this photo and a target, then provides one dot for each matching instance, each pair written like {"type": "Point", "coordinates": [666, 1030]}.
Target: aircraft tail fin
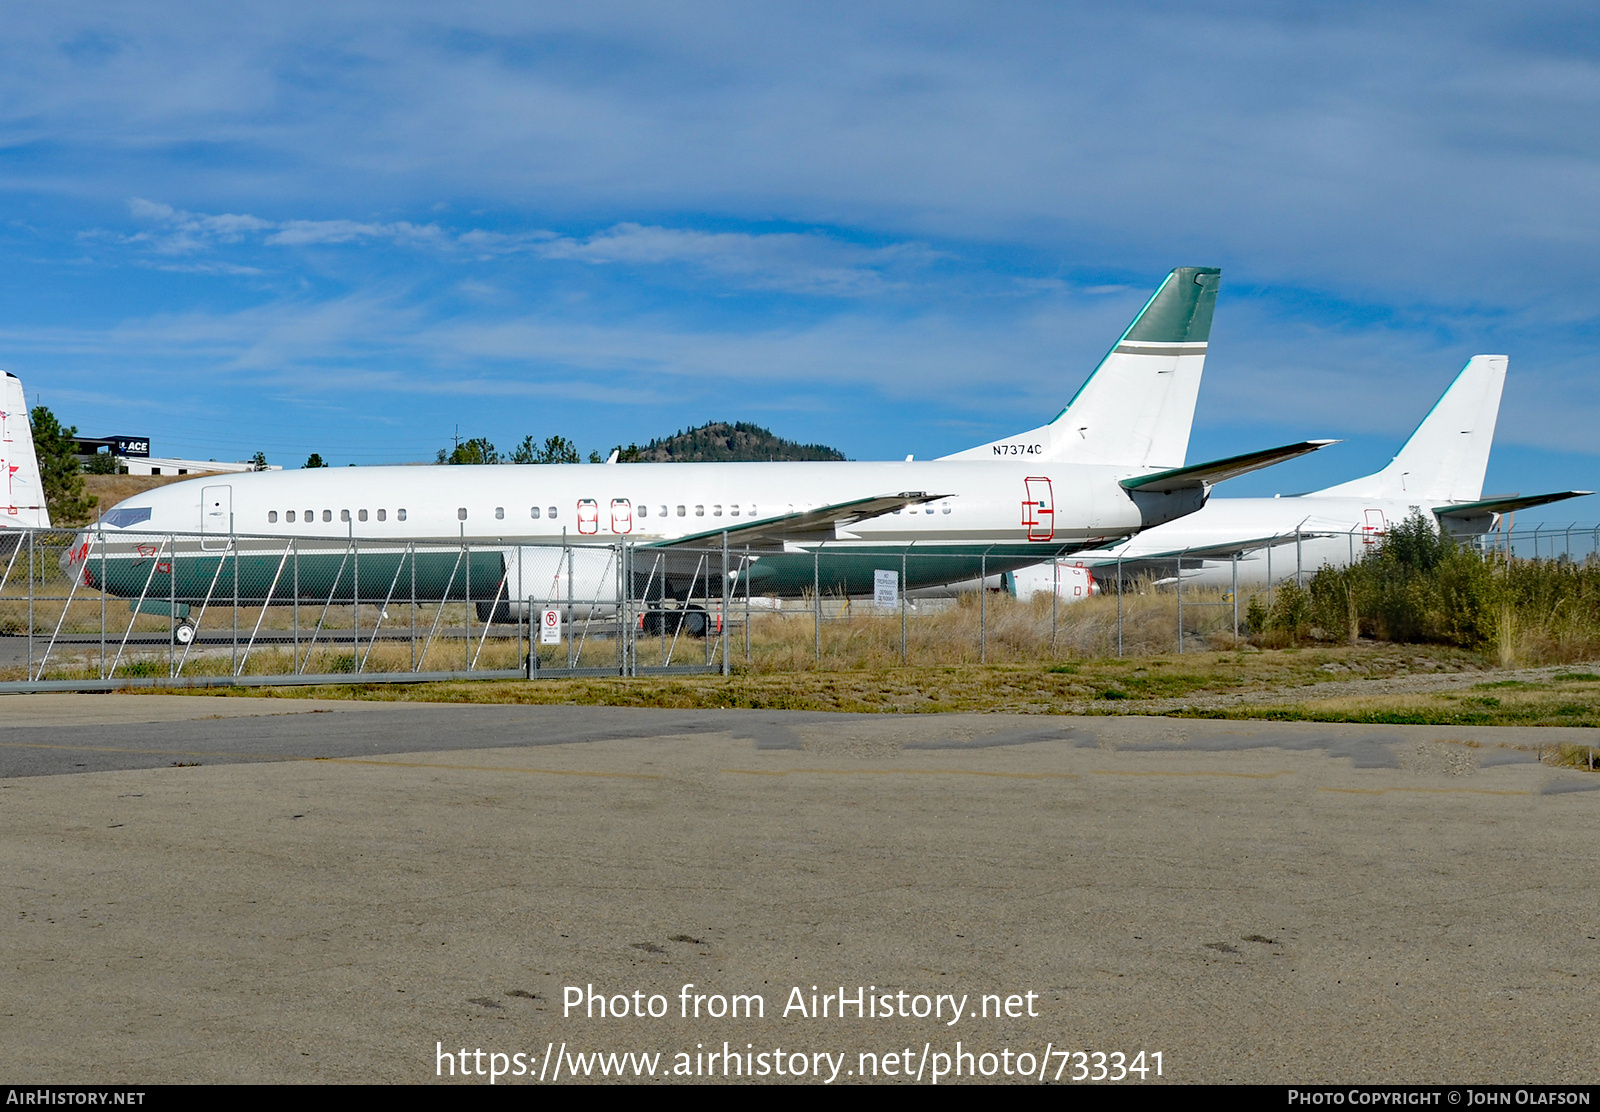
{"type": "Point", "coordinates": [1138, 405]}
{"type": "Point", "coordinates": [1447, 456]}
{"type": "Point", "coordinates": [21, 488]}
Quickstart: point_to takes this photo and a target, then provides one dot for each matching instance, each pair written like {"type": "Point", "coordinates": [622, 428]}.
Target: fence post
{"type": "Point", "coordinates": [1297, 560]}
{"type": "Point", "coordinates": [904, 556]}
{"type": "Point", "coordinates": [748, 568]}
{"type": "Point", "coordinates": [1235, 596]}
{"type": "Point", "coordinates": [568, 631]}
{"type": "Point", "coordinates": [172, 613]}
{"type": "Point", "coordinates": [355, 596]}
{"type": "Point", "coordinates": [1180, 602]}
{"type": "Point", "coordinates": [1119, 604]}
{"type": "Point", "coordinates": [1055, 595]}
{"type": "Point", "coordinates": [816, 597]}
{"type": "Point", "coordinates": [31, 534]}
{"type": "Point", "coordinates": [100, 527]}
{"type": "Point", "coordinates": [983, 607]}
{"type": "Point", "coordinates": [722, 619]}
{"type": "Point", "coordinates": [233, 543]}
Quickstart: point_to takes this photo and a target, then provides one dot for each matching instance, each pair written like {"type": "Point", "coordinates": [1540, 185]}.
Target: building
{"type": "Point", "coordinates": [133, 457]}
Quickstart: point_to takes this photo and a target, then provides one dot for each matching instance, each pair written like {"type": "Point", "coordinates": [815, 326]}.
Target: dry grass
{"type": "Point", "coordinates": [996, 629]}
{"type": "Point", "coordinates": [111, 489]}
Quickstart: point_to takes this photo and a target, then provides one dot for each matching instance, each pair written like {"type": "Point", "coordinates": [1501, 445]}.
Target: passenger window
{"type": "Point", "coordinates": [946, 509]}
{"type": "Point", "coordinates": [733, 510]}
{"type": "Point", "coordinates": [344, 515]}
{"type": "Point", "coordinates": [644, 511]}
{"type": "Point", "coordinates": [699, 511]}
{"type": "Point", "coordinates": [752, 511]}
{"type": "Point", "coordinates": [552, 513]}
{"type": "Point", "coordinates": [327, 515]}
{"type": "Point", "coordinates": [361, 515]}
{"type": "Point", "coordinates": [289, 517]}
{"type": "Point", "coordinates": [382, 514]}
{"type": "Point", "coordinates": [461, 514]}
{"type": "Point", "coordinates": [662, 511]}
{"type": "Point", "coordinates": [399, 515]}
{"type": "Point", "coordinates": [272, 516]}
{"type": "Point", "coordinates": [681, 511]}
{"type": "Point", "coordinates": [499, 513]}
{"type": "Point", "coordinates": [928, 510]}
{"type": "Point", "coordinates": [716, 511]}
{"type": "Point", "coordinates": [534, 513]}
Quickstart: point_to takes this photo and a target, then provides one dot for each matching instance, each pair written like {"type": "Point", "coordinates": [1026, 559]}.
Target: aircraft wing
{"type": "Point", "coordinates": [1206, 474]}
{"type": "Point", "coordinates": [1505, 505]}
{"type": "Point", "coordinates": [814, 524]}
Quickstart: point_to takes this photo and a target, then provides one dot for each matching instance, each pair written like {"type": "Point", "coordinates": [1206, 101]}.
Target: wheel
{"type": "Point", "coordinates": [183, 632]}
{"type": "Point", "coordinates": [694, 622]}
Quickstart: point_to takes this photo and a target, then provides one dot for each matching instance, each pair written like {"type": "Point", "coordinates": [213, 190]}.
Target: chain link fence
{"type": "Point", "coordinates": [94, 609]}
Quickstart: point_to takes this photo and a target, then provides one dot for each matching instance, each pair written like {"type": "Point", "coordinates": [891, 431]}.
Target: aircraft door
{"type": "Point", "coordinates": [621, 515]}
{"type": "Point", "coordinates": [1039, 509]}
{"type": "Point", "coordinates": [216, 516]}
{"type": "Point", "coordinates": [1374, 527]}
{"type": "Point", "coordinates": [588, 515]}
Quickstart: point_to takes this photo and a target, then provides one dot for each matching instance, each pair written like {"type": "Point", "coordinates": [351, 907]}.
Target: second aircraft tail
{"type": "Point", "coordinates": [1446, 458]}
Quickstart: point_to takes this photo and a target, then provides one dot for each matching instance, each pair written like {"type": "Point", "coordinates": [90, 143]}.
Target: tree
{"type": "Point", "coordinates": [474, 451]}
{"type": "Point", "coordinates": [558, 449]}
{"type": "Point", "coordinates": [102, 463]}
{"type": "Point", "coordinates": [258, 462]}
{"type": "Point", "coordinates": [315, 460]}
{"type": "Point", "coordinates": [59, 472]}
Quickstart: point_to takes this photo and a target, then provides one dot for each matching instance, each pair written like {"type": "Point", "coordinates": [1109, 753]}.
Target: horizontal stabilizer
{"type": "Point", "coordinates": [1207, 474]}
{"type": "Point", "coordinates": [817, 524]}
{"type": "Point", "coordinates": [1225, 550]}
{"type": "Point", "coordinates": [1509, 504]}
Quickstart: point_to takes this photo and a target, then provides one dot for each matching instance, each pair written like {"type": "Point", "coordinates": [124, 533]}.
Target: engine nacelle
{"type": "Point", "coordinates": [1072, 582]}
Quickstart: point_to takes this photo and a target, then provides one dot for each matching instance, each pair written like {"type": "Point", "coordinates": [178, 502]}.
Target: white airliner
{"type": "Point", "coordinates": [1437, 474]}
{"type": "Point", "coordinates": [1109, 465]}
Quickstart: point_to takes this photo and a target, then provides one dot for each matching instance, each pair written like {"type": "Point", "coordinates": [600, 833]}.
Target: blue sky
{"type": "Point", "coordinates": [352, 228]}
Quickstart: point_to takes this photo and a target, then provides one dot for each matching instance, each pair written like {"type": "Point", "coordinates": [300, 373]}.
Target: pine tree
{"type": "Point", "coordinates": [59, 471]}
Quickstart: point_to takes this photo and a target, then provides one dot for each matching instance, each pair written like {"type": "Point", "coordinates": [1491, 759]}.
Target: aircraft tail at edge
{"type": "Point", "coordinates": [1447, 456]}
{"type": "Point", "coordinates": [22, 503]}
{"type": "Point", "coordinates": [1137, 407]}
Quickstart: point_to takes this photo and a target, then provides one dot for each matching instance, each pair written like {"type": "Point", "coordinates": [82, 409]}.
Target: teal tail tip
{"type": "Point", "coordinates": [1181, 310]}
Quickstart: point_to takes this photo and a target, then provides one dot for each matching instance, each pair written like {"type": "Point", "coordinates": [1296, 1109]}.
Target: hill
{"type": "Point", "coordinates": [720, 442]}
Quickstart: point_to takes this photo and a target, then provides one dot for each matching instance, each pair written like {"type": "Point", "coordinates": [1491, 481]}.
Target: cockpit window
{"type": "Point", "coordinates": [122, 518]}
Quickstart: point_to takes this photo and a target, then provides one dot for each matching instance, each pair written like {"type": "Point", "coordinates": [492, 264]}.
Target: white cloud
{"type": "Point", "coordinates": [300, 233]}
{"type": "Point", "coordinates": [796, 262]}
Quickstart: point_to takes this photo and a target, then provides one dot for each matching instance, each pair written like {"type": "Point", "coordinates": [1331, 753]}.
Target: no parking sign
{"type": "Point", "coordinates": [550, 627]}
